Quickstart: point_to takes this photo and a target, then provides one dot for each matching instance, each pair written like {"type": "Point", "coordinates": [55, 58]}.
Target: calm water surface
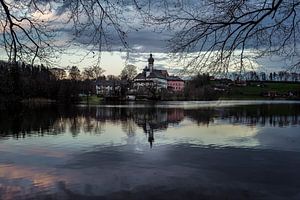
{"type": "Point", "coordinates": [169, 150]}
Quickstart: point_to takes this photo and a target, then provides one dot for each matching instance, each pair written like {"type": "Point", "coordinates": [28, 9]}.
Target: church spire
{"type": "Point", "coordinates": [150, 62]}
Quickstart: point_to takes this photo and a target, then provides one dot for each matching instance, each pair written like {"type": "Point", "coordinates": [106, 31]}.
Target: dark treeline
{"type": "Point", "coordinates": [19, 82]}
{"type": "Point", "coordinates": [263, 76]}
{"type": "Point", "coordinates": [200, 88]}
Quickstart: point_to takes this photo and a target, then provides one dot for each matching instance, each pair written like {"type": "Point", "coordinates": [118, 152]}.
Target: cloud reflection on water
{"type": "Point", "coordinates": [97, 152]}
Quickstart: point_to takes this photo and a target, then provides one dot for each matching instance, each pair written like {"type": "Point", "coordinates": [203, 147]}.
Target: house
{"type": "Point", "coordinates": [158, 79]}
{"type": "Point", "coordinates": [271, 94]}
{"type": "Point", "coordinates": [175, 83]}
{"type": "Point", "coordinates": [110, 87]}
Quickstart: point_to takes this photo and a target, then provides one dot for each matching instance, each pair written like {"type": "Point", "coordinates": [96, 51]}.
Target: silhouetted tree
{"type": "Point", "coordinates": [93, 72]}
{"type": "Point", "coordinates": [59, 73]}
{"type": "Point", "coordinates": [129, 72]}
{"type": "Point", "coordinates": [74, 73]}
{"type": "Point", "coordinates": [218, 34]}
{"type": "Point", "coordinates": [112, 77]}
{"type": "Point", "coordinates": [28, 31]}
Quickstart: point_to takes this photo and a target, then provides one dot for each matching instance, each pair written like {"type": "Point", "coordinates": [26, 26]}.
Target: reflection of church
{"type": "Point", "coordinates": [157, 119]}
{"type": "Point", "coordinates": [150, 119]}
{"type": "Point", "coordinates": [150, 137]}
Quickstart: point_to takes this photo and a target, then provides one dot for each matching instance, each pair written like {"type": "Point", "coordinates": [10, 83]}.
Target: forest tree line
{"type": "Point", "coordinates": [23, 81]}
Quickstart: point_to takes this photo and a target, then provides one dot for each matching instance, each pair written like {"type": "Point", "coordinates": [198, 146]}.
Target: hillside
{"type": "Point", "coordinates": [263, 90]}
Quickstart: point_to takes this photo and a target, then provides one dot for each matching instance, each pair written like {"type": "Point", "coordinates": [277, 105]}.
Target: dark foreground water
{"type": "Point", "coordinates": [176, 150]}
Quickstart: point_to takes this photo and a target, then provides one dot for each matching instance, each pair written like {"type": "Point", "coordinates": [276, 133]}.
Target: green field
{"type": "Point", "coordinates": [94, 99]}
{"type": "Point", "coordinates": [254, 90]}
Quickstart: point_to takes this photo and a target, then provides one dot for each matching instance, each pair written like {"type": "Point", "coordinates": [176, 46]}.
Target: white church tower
{"type": "Point", "coordinates": [151, 63]}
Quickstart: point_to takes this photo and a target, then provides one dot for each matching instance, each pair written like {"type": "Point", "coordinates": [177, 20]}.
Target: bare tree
{"type": "Point", "coordinates": [74, 73]}
{"type": "Point", "coordinates": [28, 27]}
{"type": "Point", "coordinates": [58, 73]}
{"type": "Point", "coordinates": [98, 24]}
{"type": "Point", "coordinates": [218, 34]}
{"type": "Point", "coordinates": [112, 77]}
{"type": "Point", "coordinates": [25, 34]}
{"type": "Point", "coordinates": [93, 72]}
{"type": "Point", "coordinates": [129, 72]}
{"type": "Point", "coordinates": [213, 35]}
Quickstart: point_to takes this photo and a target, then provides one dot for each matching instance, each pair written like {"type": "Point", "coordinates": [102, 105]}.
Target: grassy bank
{"type": "Point", "coordinates": [255, 90]}
{"type": "Point", "coordinates": [94, 100]}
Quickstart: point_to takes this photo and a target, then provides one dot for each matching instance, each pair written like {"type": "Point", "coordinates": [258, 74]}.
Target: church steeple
{"type": "Point", "coordinates": [150, 63]}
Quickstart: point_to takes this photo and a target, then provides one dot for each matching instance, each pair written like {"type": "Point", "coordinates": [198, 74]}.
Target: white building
{"type": "Point", "coordinates": [110, 87]}
{"type": "Point", "coordinates": [151, 77]}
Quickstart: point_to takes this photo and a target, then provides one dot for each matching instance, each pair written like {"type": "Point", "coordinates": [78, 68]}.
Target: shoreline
{"type": "Point", "coordinates": [36, 102]}
{"type": "Point", "coordinates": [39, 101]}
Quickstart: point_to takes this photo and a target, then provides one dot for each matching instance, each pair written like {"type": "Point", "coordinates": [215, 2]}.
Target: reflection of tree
{"type": "Point", "coordinates": [47, 120]}
{"type": "Point", "coordinates": [152, 118]}
{"type": "Point", "coordinates": [27, 121]}
{"type": "Point", "coordinates": [77, 120]}
{"type": "Point", "coordinates": [75, 126]}
{"type": "Point", "coordinates": [59, 126]}
{"type": "Point", "coordinates": [202, 116]}
{"type": "Point", "coordinates": [98, 127]}
{"type": "Point", "coordinates": [272, 115]}
{"type": "Point", "coordinates": [87, 124]}
{"type": "Point", "coordinates": [129, 127]}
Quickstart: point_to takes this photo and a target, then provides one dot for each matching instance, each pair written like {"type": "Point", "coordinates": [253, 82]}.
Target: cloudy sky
{"type": "Point", "coordinates": [142, 38]}
{"type": "Point", "coordinates": [142, 43]}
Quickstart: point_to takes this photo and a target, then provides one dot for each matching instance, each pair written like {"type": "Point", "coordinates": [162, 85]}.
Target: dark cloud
{"type": "Point", "coordinates": [273, 63]}
{"type": "Point", "coordinates": [61, 9]}
{"type": "Point", "coordinates": [161, 61]}
{"type": "Point", "coordinates": [143, 57]}
{"type": "Point", "coordinates": [148, 41]}
{"type": "Point", "coordinates": [143, 38]}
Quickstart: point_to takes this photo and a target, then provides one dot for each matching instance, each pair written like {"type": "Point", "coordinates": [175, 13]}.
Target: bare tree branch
{"type": "Point", "coordinates": [233, 30]}
{"type": "Point", "coordinates": [29, 33]}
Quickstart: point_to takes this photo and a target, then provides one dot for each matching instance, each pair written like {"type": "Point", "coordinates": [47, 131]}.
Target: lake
{"type": "Point", "coordinates": [163, 150]}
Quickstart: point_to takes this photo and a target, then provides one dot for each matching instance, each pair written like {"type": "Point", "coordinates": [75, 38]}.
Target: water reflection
{"type": "Point", "coordinates": [56, 120]}
{"type": "Point", "coordinates": [102, 152]}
